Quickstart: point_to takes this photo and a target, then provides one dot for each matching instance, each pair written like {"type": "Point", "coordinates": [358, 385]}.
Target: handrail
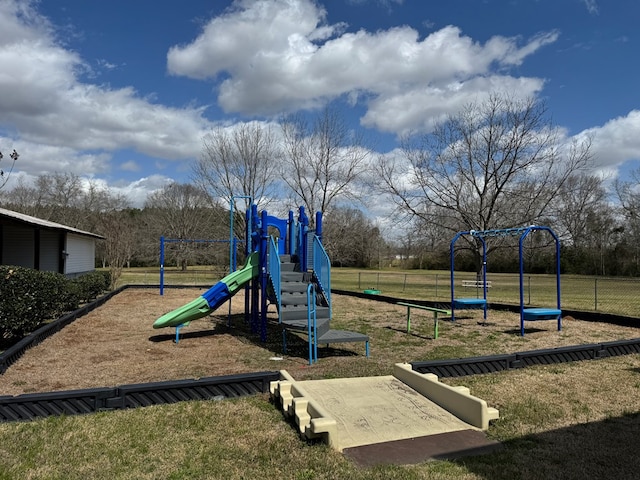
{"type": "Point", "coordinates": [322, 270]}
{"type": "Point", "coordinates": [274, 273]}
{"type": "Point", "coordinates": [312, 323]}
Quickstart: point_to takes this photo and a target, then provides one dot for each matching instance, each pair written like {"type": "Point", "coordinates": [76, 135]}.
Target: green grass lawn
{"type": "Point", "coordinates": [603, 294]}
{"type": "Point", "coordinates": [548, 426]}
{"type": "Point", "coordinates": [613, 295]}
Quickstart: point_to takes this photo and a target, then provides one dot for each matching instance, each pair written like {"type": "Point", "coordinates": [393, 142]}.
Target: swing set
{"type": "Point", "coordinates": [526, 314]}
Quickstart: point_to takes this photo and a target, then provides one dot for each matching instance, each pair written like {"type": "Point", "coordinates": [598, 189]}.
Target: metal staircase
{"type": "Point", "coordinates": [298, 283]}
{"type": "Point", "coordinates": [304, 311]}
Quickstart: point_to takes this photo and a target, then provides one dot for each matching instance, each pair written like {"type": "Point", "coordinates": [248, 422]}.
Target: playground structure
{"type": "Point", "coordinates": [526, 314]}
{"type": "Point", "coordinates": [287, 266]}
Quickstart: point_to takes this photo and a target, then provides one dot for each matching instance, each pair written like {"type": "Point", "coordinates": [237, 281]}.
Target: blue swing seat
{"type": "Point", "coordinates": [533, 314]}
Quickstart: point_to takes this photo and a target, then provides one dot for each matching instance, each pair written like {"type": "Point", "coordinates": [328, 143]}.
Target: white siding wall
{"type": "Point", "coordinates": [81, 254]}
{"type": "Point", "coordinates": [18, 246]}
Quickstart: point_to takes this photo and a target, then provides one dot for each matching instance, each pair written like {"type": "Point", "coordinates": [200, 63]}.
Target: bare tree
{"type": "Point", "coordinates": [239, 161]}
{"type": "Point", "coordinates": [578, 206]}
{"type": "Point", "coordinates": [119, 230]}
{"type": "Point", "coordinates": [495, 164]}
{"type": "Point", "coordinates": [59, 197]}
{"type": "Point", "coordinates": [182, 211]}
{"type": "Point", "coordinates": [628, 196]}
{"type": "Point", "coordinates": [323, 159]}
{"type": "Point", "coordinates": [4, 175]}
{"type": "Point", "coordinates": [350, 238]}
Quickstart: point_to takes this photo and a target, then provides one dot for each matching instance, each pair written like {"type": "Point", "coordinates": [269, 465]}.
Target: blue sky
{"type": "Point", "coordinates": [122, 92]}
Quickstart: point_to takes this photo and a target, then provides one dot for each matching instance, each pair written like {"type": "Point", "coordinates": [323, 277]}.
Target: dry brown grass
{"type": "Point", "coordinates": [115, 344]}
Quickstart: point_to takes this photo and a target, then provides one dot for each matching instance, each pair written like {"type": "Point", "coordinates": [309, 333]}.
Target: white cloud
{"type": "Point", "coordinates": [592, 6]}
{"type": "Point", "coordinates": [43, 99]}
{"type": "Point", "coordinates": [137, 191]}
{"type": "Point", "coordinates": [419, 109]}
{"type": "Point", "coordinates": [41, 159]}
{"type": "Point", "coordinates": [274, 56]}
{"type": "Point", "coordinates": [615, 142]}
{"type": "Point", "coordinates": [130, 166]}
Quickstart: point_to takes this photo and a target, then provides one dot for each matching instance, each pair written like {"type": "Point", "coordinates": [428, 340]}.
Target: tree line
{"type": "Point", "coordinates": [497, 163]}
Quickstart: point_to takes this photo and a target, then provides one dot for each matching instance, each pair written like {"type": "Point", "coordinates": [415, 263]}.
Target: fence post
{"type": "Point", "coordinates": [595, 293]}
{"type": "Point", "coordinates": [359, 287]}
{"type": "Point", "coordinates": [436, 285]}
{"type": "Point", "coordinates": [404, 285]}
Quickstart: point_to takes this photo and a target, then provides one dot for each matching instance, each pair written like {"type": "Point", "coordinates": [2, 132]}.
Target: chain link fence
{"type": "Point", "coordinates": [620, 296]}
{"type": "Point", "coordinates": [612, 295]}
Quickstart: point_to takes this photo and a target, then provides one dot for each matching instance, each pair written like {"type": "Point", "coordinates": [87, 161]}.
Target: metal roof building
{"type": "Point", "coordinates": [31, 242]}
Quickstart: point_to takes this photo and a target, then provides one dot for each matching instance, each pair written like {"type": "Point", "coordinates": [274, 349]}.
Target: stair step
{"type": "Point", "coordinates": [291, 276]}
{"type": "Point", "coordinates": [297, 312]}
{"type": "Point", "coordinates": [293, 298]}
{"type": "Point", "coordinates": [301, 324]}
{"type": "Point", "coordinates": [294, 287]}
{"type": "Point", "coordinates": [290, 267]}
{"type": "Point", "coordinates": [342, 336]}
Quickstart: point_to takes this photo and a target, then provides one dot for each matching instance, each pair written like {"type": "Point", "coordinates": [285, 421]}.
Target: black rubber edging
{"type": "Point", "coordinates": [498, 363]}
{"type": "Point", "coordinates": [74, 402]}
{"type": "Point", "coordinates": [550, 356]}
{"type": "Point", "coordinates": [77, 402]}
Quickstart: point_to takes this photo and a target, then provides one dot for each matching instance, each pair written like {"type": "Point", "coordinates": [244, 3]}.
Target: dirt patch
{"type": "Point", "coordinates": [116, 344]}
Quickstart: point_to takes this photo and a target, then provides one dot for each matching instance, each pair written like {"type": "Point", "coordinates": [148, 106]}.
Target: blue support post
{"type": "Point", "coordinates": [291, 240]}
{"type": "Point", "coordinates": [303, 222]}
{"type": "Point", "coordinates": [521, 279]}
{"type": "Point", "coordinates": [247, 250]}
{"type": "Point", "coordinates": [264, 236]}
{"type": "Point", "coordinates": [452, 266]}
{"type": "Point", "coordinates": [178, 328]}
{"type": "Point", "coordinates": [319, 226]}
{"type": "Point", "coordinates": [162, 265]}
{"type": "Point", "coordinates": [232, 239]}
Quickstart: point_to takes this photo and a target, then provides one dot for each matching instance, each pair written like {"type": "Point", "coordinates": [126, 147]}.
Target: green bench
{"type": "Point", "coordinates": [435, 311]}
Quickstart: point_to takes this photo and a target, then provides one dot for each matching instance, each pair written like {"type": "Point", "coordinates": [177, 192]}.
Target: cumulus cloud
{"type": "Point", "coordinates": [615, 142]}
{"type": "Point", "coordinates": [273, 56]}
{"type": "Point", "coordinates": [48, 106]}
{"type": "Point", "coordinates": [137, 191]}
{"type": "Point", "coordinates": [421, 108]}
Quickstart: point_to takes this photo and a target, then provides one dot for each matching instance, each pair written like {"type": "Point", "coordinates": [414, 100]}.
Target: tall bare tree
{"type": "Point", "coordinates": [239, 161]}
{"type": "Point", "coordinates": [184, 212]}
{"type": "Point", "coordinates": [119, 229]}
{"type": "Point", "coordinates": [323, 159]}
{"type": "Point", "coordinates": [578, 207]}
{"type": "Point", "coordinates": [495, 164]}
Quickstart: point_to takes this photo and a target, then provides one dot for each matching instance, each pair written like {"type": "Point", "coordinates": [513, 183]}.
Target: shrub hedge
{"type": "Point", "coordinates": [28, 298]}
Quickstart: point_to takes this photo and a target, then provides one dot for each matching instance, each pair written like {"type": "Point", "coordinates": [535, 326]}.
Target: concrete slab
{"type": "Point", "coordinates": [370, 410]}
